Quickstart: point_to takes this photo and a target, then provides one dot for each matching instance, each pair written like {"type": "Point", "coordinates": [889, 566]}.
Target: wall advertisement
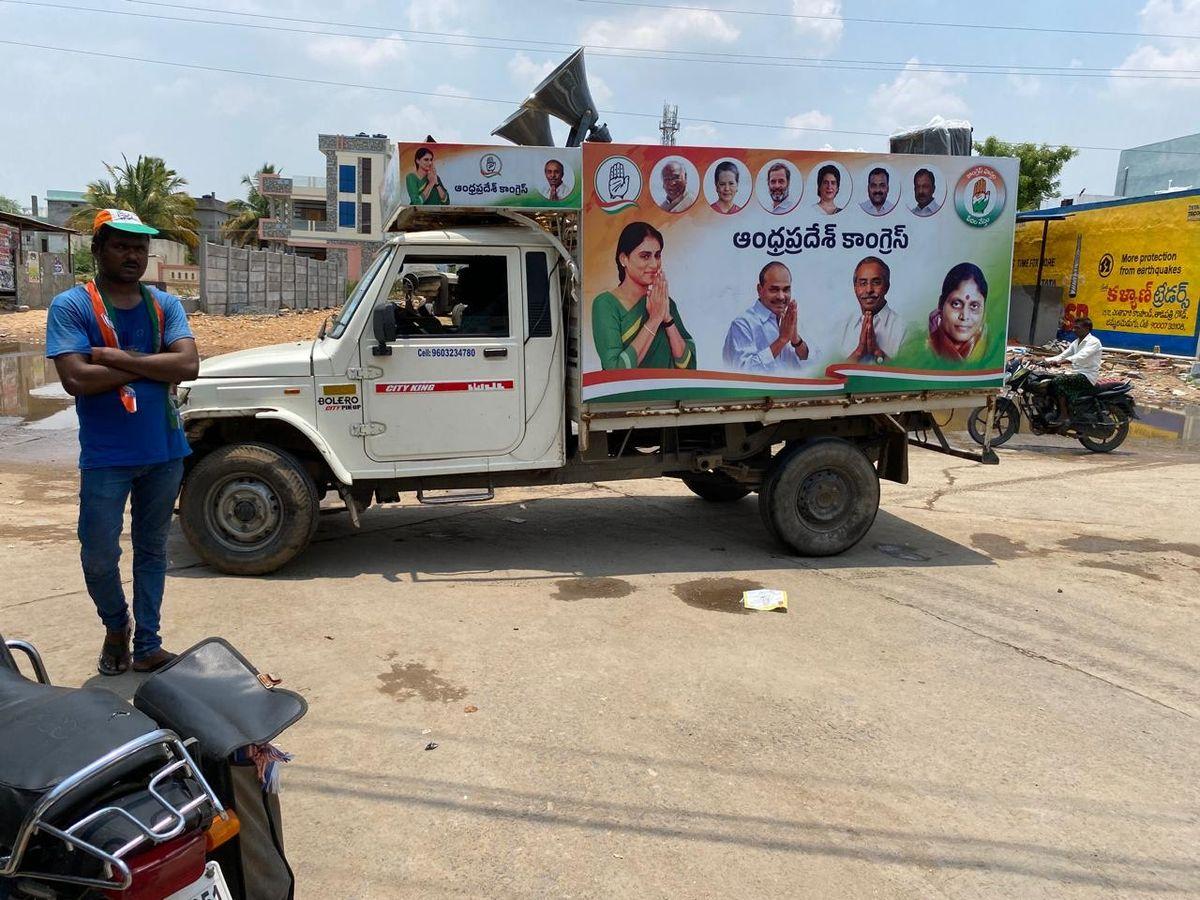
{"type": "Point", "coordinates": [727, 274]}
{"type": "Point", "coordinates": [9, 247]}
{"type": "Point", "coordinates": [1131, 267]}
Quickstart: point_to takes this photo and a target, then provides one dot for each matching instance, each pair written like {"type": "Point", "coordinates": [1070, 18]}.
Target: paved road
{"type": "Point", "coordinates": [994, 695]}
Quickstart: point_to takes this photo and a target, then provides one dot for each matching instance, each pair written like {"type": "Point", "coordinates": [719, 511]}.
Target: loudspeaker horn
{"type": "Point", "coordinates": [564, 94]}
{"type": "Point", "coordinates": [526, 128]}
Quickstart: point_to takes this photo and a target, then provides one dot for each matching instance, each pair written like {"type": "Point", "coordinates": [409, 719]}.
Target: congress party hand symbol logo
{"type": "Point", "coordinates": [980, 196]}
{"type": "Point", "coordinates": [618, 183]}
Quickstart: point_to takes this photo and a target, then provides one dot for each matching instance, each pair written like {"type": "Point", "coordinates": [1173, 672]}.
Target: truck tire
{"type": "Point", "coordinates": [714, 487]}
{"type": "Point", "coordinates": [248, 509]}
{"type": "Point", "coordinates": [820, 498]}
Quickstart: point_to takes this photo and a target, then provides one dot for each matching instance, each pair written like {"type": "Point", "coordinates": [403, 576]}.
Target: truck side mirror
{"type": "Point", "coordinates": [383, 319]}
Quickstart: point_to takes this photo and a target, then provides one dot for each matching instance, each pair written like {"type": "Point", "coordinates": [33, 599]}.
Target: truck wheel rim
{"type": "Point", "coordinates": [243, 512]}
{"type": "Point", "coordinates": [824, 499]}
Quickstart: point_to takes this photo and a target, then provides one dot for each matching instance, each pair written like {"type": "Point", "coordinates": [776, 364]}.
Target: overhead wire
{"type": "Point", "coordinates": [868, 20]}
{"type": "Point", "coordinates": [476, 99]}
{"type": "Point", "coordinates": [697, 57]}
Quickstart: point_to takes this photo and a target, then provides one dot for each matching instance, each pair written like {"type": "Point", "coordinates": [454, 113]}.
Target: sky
{"type": "Point", "coordinates": [787, 74]}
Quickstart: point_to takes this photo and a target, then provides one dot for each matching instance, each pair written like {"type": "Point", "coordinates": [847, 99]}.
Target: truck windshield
{"type": "Point", "coordinates": [360, 291]}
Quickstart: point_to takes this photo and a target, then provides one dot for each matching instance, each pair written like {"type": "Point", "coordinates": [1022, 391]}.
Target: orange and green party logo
{"type": "Point", "coordinates": [618, 183]}
{"type": "Point", "coordinates": [980, 196]}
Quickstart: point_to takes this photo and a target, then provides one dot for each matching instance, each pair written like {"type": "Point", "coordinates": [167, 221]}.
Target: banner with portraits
{"type": "Point", "coordinates": [722, 274]}
{"type": "Point", "coordinates": [478, 175]}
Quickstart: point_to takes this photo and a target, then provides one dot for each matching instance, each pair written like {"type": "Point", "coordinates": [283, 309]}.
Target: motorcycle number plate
{"type": "Point", "coordinates": [209, 886]}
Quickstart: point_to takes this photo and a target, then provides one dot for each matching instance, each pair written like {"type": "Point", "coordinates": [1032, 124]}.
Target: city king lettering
{"type": "Point", "coordinates": [428, 387]}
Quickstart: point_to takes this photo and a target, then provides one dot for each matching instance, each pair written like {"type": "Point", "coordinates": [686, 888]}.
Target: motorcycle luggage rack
{"type": "Point", "coordinates": [35, 658]}
{"type": "Point", "coordinates": [164, 829]}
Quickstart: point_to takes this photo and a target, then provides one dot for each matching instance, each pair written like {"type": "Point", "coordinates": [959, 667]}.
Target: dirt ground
{"type": "Point", "coordinates": [1156, 381]}
{"type": "Point", "coordinates": [556, 694]}
{"type": "Point", "coordinates": [214, 334]}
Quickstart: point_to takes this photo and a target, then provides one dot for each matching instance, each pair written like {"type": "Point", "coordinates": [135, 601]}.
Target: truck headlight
{"type": "Point", "coordinates": [181, 395]}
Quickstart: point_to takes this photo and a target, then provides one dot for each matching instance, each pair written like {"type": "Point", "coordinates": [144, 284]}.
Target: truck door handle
{"type": "Point", "coordinates": [495, 352]}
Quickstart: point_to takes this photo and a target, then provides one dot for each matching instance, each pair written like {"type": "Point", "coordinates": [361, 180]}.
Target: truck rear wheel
{"type": "Point", "coordinates": [715, 487]}
{"type": "Point", "coordinates": [248, 509]}
{"type": "Point", "coordinates": [820, 498]}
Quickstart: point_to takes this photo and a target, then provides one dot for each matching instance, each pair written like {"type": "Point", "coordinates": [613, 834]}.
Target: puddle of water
{"type": "Point", "coordinates": [410, 680]}
{"type": "Point", "coordinates": [592, 589]}
{"type": "Point", "coordinates": [29, 387]}
{"type": "Point", "coordinates": [716, 594]}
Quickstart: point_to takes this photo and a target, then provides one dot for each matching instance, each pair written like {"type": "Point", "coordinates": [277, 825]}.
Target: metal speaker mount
{"type": "Point", "coordinates": [526, 128]}
{"type": "Point", "coordinates": [564, 94]}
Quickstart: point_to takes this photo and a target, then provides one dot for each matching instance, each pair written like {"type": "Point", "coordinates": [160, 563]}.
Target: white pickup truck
{"type": "Point", "coordinates": [462, 363]}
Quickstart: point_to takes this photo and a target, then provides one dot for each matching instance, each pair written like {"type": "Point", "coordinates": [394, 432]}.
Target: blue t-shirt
{"type": "Point", "coordinates": [108, 435]}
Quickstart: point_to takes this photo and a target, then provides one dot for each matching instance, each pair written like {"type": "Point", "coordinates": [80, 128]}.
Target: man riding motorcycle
{"type": "Point", "coordinates": [1083, 354]}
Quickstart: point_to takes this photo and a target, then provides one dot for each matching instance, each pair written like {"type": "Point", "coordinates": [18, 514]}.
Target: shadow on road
{"type": "Point", "coordinates": [595, 537]}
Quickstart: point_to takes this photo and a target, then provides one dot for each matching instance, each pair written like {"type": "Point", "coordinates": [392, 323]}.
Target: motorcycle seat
{"type": "Point", "coordinates": [49, 733]}
{"type": "Point", "coordinates": [1108, 387]}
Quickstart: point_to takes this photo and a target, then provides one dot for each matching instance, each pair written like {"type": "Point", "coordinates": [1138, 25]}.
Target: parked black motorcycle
{"type": "Point", "coordinates": [103, 799]}
{"type": "Point", "coordinates": [1099, 419]}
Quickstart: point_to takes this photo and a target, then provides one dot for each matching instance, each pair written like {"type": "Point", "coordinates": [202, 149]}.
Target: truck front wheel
{"type": "Point", "coordinates": [820, 498]}
{"type": "Point", "coordinates": [248, 509]}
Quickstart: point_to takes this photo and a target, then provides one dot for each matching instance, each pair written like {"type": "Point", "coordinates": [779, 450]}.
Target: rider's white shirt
{"type": "Point", "coordinates": [1084, 357]}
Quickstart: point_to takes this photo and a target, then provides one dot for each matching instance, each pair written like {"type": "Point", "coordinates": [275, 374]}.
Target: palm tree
{"type": "Point", "coordinates": [242, 226]}
{"type": "Point", "coordinates": [150, 189]}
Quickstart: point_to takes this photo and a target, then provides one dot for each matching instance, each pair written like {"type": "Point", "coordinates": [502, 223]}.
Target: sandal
{"type": "Point", "coordinates": [114, 653]}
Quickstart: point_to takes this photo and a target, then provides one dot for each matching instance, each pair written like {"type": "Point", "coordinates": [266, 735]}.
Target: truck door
{"type": "Point", "coordinates": [453, 383]}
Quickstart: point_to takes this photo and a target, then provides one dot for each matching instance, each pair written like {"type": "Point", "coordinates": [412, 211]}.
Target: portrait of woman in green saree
{"type": "Point", "coordinates": [424, 185]}
{"type": "Point", "coordinates": [636, 325]}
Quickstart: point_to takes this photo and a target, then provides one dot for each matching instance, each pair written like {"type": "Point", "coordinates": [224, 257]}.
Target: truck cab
{"type": "Point", "coordinates": [448, 359]}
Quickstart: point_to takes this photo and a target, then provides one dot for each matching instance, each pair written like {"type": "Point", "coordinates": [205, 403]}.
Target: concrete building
{"type": "Point", "coordinates": [1171, 165]}
{"type": "Point", "coordinates": [60, 205]}
{"type": "Point", "coordinates": [341, 211]}
{"type": "Point", "coordinates": [212, 214]}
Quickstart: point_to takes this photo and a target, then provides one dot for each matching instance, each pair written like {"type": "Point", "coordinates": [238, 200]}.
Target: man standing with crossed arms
{"type": "Point", "coordinates": [119, 346]}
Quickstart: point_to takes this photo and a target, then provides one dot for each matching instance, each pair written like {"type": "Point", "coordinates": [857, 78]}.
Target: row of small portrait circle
{"type": "Point", "coordinates": [675, 185]}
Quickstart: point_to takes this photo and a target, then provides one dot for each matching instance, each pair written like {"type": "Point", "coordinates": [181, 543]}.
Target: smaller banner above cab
{"type": "Point", "coordinates": [479, 176]}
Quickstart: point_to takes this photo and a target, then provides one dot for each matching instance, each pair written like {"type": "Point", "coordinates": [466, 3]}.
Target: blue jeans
{"type": "Point", "coordinates": [102, 497]}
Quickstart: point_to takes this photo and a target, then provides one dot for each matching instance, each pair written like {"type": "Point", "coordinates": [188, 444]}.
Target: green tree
{"type": "Point", "coordinates": [85, 263]}
{"type": "Point", "coordinates": [10, 206]}
{"type": "Point", "coordinates": [150, 189]}
{"type": "Point", "coordinates": [242, 226]}
{"type": "Point", "coordinates": [1040, 167]}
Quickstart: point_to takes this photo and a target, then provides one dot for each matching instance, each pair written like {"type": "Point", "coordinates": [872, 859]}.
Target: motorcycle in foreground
{"type": "Point", "coordinates": [103, 799]}
{"type": "Point", "coordinates": [1099, 419]}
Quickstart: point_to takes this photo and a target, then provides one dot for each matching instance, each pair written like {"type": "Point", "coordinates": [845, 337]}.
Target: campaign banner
{"type": "Point", "coordinates": [8, 250]}
{"type": "Point", "coordinates": [1129, 266]}
{"type": "Point", "coordinates": [477, 175]}
{"type": "Point", "coordinates": [733, 274]}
